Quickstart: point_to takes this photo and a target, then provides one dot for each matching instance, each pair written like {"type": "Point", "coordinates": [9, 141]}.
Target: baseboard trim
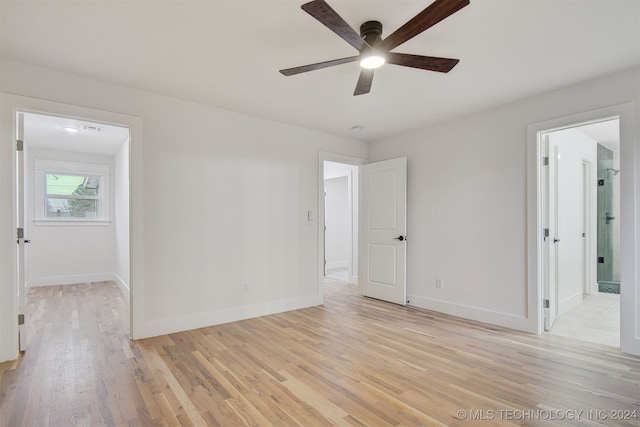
{"type": "Point", "coordinates": [196, 321]}
{"type": "Point", "coordinates": [70, 279]}
{"type": "Point", "coordinates": [569, 303]}
{"type": "Point", "coordinates": [124, 286]}
{"type": "Point", "coordinates": [506, 320]}
{"type": "Point", "coordinates": [334, 265]}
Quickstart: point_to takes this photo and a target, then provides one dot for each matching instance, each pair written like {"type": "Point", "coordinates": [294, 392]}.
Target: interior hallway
{"type": "Point", "coordinates": [353, 361]}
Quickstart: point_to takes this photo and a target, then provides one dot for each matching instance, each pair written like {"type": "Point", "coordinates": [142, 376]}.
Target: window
{"type": "Point", "coordinates": [68, 191]}
{"type": "Point", "coordinates": [72, 196]}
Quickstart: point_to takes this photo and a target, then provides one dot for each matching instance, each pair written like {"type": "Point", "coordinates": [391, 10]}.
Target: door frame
{"type": "Point", "coordinates": [338, 158]}
{"type": "Point", "coordinates": [630, 239]}
{"type": "Point", "coordinates": [588, 226]}
{"type": "Point", "coordinates": [9, 107]}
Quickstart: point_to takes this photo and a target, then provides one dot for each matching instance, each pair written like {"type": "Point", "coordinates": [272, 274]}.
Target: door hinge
{"type": "Point", "coordinates": [545, 161]}
{"type": "Point", "coordinates": [19, 145]}
{"type": "Point", "coordinates": [546, 303]}
{"type": "Point", "coordinates": [600, 260]}
{"type": "Point", "coordinates": [20, 233]}
{"type": "Point", "coordinates": [20, 319]}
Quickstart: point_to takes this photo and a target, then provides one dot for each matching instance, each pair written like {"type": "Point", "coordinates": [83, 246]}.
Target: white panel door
{"type": "Point", "coordinates": [21, 241]}
{"type": "Point", "coordinates": [550, 243]}
{"type": "Point", "coordinates": [384, 223]}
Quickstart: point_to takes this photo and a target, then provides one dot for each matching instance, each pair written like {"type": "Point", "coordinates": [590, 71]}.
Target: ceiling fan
{"type": "Point", "coordinates": [375, 51]}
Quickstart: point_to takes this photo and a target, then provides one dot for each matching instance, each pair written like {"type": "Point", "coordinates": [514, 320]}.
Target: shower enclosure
{"type": "Point", "coordinates": [608, 220]}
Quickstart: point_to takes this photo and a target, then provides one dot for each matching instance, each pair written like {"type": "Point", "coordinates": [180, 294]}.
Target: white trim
{"type": "Point", "coordinates": [72, 279]}
{"type": "Point", "coordinates": [200, 320]}
{"type": "Point", "coordinates": [73, 168]}
{"type": "Point", "coordinates": [333, 265]}
{"type": "Point", "coordinates": [68, 222]}
{"type": "Point", "coordinates": [590, 285]}
{"type": "Point", "coordinates": [124, 287]}
{"type": "Point", "coordinates": [505, 320]}
{"type": "Point", "coordinates": [569, 303]}
{"type": "Point", "coordinates": [629, 216]}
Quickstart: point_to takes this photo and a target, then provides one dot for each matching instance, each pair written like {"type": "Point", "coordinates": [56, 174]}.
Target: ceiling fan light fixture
{"type": "Point", "coordinates": [373, 61]}
{"type": "Point", "coordinates": [373, 50]}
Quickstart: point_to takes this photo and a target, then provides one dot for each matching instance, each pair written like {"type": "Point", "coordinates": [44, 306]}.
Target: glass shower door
{"type": "Point", "coordinates": [608, 220]}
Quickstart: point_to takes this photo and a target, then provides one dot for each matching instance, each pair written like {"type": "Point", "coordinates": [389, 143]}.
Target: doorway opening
{"type": "Point", "coordinates": [74, 205]}
{"type": "Point", "coordinates": [379, 241]}
{"type": "Point", "coordinates": [581, 240]}
{"type": "Point", "coordinates": [340, 188]}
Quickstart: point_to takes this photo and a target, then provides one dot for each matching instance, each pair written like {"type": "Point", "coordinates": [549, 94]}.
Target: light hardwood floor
{"type": "Point", "coordinates": [352, 362]}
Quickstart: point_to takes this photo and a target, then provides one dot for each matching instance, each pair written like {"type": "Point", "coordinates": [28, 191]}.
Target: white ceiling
{"type": "Point", "coordinates": [228, 53]}
{"type": "Point", "coordinates": [606, 133]}
{"type": "Point", "coordinates": [48, 132]}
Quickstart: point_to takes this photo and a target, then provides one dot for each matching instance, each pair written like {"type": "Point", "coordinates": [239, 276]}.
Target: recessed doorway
{"type": "Point", "coordinates": [582, 232]}
{"type": "Point", "coordinates": [75, 204]}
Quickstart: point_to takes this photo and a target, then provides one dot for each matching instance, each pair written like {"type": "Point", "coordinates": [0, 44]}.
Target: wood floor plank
{"type": "Point", "coordinates": [351, 362]}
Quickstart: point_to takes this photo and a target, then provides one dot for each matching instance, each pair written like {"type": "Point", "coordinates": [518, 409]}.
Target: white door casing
{"type": "Point", "coordinates": [383, 225]}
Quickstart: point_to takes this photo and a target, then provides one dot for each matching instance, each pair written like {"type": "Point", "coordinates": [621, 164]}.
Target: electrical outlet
{"type": "Point", "coordinates": [439, 283]}
{"type": "Point", "coordinates": [246, 288]}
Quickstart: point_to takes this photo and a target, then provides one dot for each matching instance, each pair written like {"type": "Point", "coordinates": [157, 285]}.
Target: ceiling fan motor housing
{"type": "Point", "coordinates": [371, 32]}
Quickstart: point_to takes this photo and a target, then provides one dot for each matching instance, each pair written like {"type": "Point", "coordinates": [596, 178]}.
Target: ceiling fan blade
{"type": "Point", "coordinates": [364, 82]}
{"type": "Point", "coordinates": [320, 10]}
{"type": "Point", "coordinates": [442, 65]}
{"type": "Point", "coordinates": [434, 13]}
{"type": "Point", "coordinates": [318, 65]}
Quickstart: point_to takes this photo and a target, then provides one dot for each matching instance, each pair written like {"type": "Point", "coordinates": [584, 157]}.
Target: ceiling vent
{"type": "Point", "coordinates": [92, 128]}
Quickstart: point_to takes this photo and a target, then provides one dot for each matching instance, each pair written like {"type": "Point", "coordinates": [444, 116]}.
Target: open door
{"type": "Point", "coordinates": [21, 240]}
{"type": "Point", "coordinates": [550, 220]}
{"type": "Point", "coordinates": [384, 223]}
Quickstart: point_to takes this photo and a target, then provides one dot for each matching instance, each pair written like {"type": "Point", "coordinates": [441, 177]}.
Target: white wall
{"type": "Point", "coordinates": [121, 218]}
{"type": "Point", "coordinates": [338, 222]}
{"type": "Point", "coordinates": [573, 148]}
{"type": "Point", "coordinates": [223, 201]}
{"type": "Point", "coordinates": [468, 209]}
{"type": "Point", "coordinates": [59, 253]}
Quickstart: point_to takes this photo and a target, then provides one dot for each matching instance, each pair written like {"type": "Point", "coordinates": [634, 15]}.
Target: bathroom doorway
{"type": "Point", "coordinates": [583, 205]}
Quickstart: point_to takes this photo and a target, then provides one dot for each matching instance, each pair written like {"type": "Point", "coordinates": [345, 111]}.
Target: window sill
{"type": "Point", "coordinates": [72, 222]}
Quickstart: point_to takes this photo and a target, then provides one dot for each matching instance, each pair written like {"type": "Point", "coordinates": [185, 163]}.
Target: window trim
{"type": "Point", "coordinates": [44, 167]}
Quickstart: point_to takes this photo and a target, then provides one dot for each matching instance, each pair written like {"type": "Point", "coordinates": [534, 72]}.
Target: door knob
{"type": "Point", "coordinates": [401, 238]}
{"type": "Point", "coordinates": [555, 240]}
